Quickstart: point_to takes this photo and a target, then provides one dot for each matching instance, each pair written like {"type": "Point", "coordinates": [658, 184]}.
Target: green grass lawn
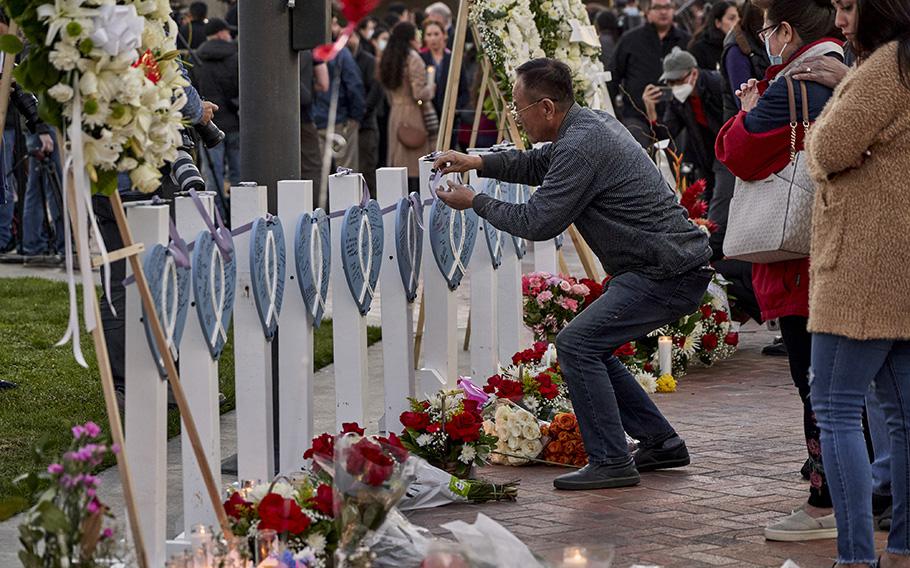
{"type": "Point", "coordinates": [54, 391]}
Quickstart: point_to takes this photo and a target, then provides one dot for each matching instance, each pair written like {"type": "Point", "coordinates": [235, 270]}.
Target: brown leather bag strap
{"type": "Point", "coordinates": [791, 99]}
{"type": "Point", "coordinates": [805, 96]}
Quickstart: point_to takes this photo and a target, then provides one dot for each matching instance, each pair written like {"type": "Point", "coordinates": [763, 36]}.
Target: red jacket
{"type": "Point", "coordinates": [782, 288]}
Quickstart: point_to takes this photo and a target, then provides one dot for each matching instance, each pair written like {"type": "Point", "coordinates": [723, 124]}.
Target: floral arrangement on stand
{"type": "Point", "coordinates": [566, 35]}
{"type": "Point", "coordinates": [507, 35]}
{"type": "Point", "coordinates": [65, 527]}
{"type": "Point", "coordinates": [692, 199]}
{"type": "Point", "coordinates": [565, 445]}
{"type": "Point", "coordinates": [447, 431]}
{"type": "Point", "coordinates": [519, 435]}
{"type": "Point", "coordinates": [533, 381]}
{"type": "Point", "coordinates": [551, 302]}
{"type": "Point", "coordinates": [110, 69]}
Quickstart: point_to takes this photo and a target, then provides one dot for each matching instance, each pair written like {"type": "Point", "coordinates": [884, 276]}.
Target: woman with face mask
{"type": "Point", "coordinates": [755, 144]}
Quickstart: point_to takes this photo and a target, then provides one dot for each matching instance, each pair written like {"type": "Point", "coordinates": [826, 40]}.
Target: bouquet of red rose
{"type": "Point", "coordinates": [447, 431]}
{"type": "Point", "coordinates": [533, 381]}
{"type": "Point", "coordinates": [370, 476]}
{"type": "Point", "coordinates": [550, 302]}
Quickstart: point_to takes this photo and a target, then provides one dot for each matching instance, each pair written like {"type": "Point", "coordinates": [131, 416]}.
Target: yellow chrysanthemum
{"type": "Point", "coordinates": [666, 383]}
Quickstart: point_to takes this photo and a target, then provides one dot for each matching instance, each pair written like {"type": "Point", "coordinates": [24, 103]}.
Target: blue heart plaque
{"type": "Point", "coordinates": [408, 244]}
{"type": "Point", "coordinates": [214, 286]}
{"type": "Point", "coordinates": [492, 235]}
{"type": "Point", "coordinates": [520, 196]}
{"type": "Point", "coordinates": [169, 285]}
{"type": "Point", "coordinates": [361, 251]}
{"type": "Point", "coordinates": [268, 262]}
{"type": "Point", "coordinates": [313, 260]}
{"type": "Point", "coordinates": [452, 236]}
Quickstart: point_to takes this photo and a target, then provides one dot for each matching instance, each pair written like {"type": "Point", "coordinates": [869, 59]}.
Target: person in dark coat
{"type": "Point", "coordinates": [608, 30]}
{"type": "Point", "coordinates": [192, 34]}
{"type": "Point", "coordinates": [216, 76]}
{"type": "Point", "coordinates": [708, 45]}
{"type": "Point", "coordinates": [438, 58]}
{"type": "Point", "coordinates": [637, 64]}
{"type": "Point", "coordinates": [368, 137]}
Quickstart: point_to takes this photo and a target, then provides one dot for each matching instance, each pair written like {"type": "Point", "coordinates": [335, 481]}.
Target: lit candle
{"type": "Point", "coordinates": [665, 354]}
{"type": "Point", "coordinates": [574, 556]}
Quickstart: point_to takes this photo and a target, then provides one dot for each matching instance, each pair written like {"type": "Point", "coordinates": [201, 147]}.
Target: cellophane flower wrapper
{"type": "Point", "coordinates": [489, 544]}
{"type": "Point", "coordinates": [369, 477]}
{"type": "Point", "coordinates": [433, 487]}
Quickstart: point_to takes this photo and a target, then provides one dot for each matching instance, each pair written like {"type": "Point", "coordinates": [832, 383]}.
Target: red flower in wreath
{"type": "Point", "coordinates": [546, 386]}
{"type": "Point", "coordinates": [282, 515]}
{"type": "Point", "coordinates": [709, 341]}
{"type": "Point", "coordinates": [706, 311]}
{"type": "Point", "coordinates": [323, 501]}
{"type": "Point", "coordinates": [720, 316]}
{"type": "Point", "coordinates": [236, 506]}
{"type": "Point", "coordinates": [415, 420]}
{"type": "Point", "coordinates": [464, 427]}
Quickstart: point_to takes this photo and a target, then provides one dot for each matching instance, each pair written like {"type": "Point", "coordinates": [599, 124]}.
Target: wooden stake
{"type": "Point", "coordinates": [107, 384]}
{"type": "Point", "coordinates": [6, 82]}
{"type": "Point", "coordinates": [478, 112]}
{"type": "Point", "coordinates": [172, 375]}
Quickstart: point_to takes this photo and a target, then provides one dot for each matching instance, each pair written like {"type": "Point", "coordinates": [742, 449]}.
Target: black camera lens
{"type": "Point", "coordinates": [210, 133]}
{"type": "Point", "coordinates": [185, 173]}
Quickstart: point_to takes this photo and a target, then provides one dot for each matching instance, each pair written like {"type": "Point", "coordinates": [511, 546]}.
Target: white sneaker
{"type": "Point", "coordinates": [801, 526]}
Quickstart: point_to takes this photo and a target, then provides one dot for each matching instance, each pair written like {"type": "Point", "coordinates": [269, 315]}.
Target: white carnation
{"type": "Point", "coordinates": [284, 489]}
{"type": "Point", "coordinates": [146, 178]}
{"type": "Point", "coordinates": [64, 57]}
{"type": "Point", "coordinates": [424, 440]}
{"type": "Point", "coordinates": [647, 381]}
{"type": "Point", "coordinates": [467, 455]}
{"type": "Point", "coordinates": [60, 92]}
{"type": "Point", "coordinates": [316, 541]}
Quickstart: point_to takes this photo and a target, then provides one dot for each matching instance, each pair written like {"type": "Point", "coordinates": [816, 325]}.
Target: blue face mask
{"type": "Point", "coordinates": [775, 59]}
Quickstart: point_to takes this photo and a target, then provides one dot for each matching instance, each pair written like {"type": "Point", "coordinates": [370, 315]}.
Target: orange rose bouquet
{"type": "Point", "coordinates": [565, 445]}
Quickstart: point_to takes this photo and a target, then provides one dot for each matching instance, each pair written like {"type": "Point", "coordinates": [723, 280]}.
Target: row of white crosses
{"type": "Point", "coordinates": [495, 307]}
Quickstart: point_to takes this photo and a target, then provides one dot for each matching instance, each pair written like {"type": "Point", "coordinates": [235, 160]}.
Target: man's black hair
{"type": "Point", "coordinates": [548, 79]}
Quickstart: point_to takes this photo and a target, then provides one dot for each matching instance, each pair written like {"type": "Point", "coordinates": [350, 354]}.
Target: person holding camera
{"type": "Point", "coordinates": [591, 172]}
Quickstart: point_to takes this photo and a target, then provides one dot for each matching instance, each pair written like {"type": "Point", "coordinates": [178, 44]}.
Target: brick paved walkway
{"type": "Point", "coordinates": [742, 422]}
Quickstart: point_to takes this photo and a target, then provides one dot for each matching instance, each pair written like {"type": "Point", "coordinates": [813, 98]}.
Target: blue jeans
{"type": "Point", "coordinates": [40, 191]}
{"type": "Point", "coordinates": [881, 444]}
{"type": "Point", "coordinates": [606, 397]}
{"type": "Point", "coordinates": [843, 369]}
{"type": "Point", "coordinates": [228, 151]}
{"type": "Point", "coordinates": [7, 189]}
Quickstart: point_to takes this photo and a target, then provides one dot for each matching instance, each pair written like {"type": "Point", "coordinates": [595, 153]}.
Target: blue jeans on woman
{"type": "Point", "coordinates": [606, 397]}
{"type": "Point", "coordinates": [7, 189]}
{"type": "Point", "coordinates": [843, 369]}
{"type": "Point", "coordinates": [40, 191]}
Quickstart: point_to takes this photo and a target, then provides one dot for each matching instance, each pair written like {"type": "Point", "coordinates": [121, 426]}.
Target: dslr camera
{"type": "Point", "coordinates": [184, 172]}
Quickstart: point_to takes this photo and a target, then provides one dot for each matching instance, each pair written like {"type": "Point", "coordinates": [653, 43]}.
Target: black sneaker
{"type": "Point", "coordinates": [775, 350]}
{"type": "Point", "coordinates": [595, 476]}
{"type": "Point", "coordinates": [7, 385]}
{"type": "Point", "coordinates": [883, 521]}
{"type": "Point", "coordinates": [806, 470]}
{"type": "Point", "coordinates": [669, 454]}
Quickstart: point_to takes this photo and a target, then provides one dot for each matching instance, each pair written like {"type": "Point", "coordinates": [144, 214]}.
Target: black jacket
{"type": "Point", "coordinates": [216, 76]}
{"type": "Point", "coordinates": [638, 61]}
{"type": "Point", "coordinates": [191, 35]}
{"type": "Point", "coordinates": [758, 61]}
{"type": "Point", "coordinates": [700, 139]}
{"type": "Point", "coordinates": [707, 48]}
{"type": "Point", "coordinates": [442, 79]}
{"type": "Point", "coordinates": [374, 93]}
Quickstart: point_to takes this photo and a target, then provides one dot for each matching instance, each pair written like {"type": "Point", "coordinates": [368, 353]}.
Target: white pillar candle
{"type": "Point", "coordinates": [665, 354]}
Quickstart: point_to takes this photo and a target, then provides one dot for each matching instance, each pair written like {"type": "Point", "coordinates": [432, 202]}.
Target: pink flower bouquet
{"type": "Point", "coordinates": [551, 302]}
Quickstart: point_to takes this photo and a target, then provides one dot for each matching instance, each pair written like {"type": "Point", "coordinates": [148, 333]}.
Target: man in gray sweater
{"type": "Point", "coordinates": [595, 175]}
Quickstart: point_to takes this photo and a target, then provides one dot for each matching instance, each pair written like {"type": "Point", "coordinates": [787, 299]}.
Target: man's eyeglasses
{"type": "Point", "coordinates": [516, 113]}
{"type": "Point", "coordinates": [661, 7]}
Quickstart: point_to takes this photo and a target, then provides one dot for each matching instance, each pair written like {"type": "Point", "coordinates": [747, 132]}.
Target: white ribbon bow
{"type": "Point", "coordinates": [271, 274]}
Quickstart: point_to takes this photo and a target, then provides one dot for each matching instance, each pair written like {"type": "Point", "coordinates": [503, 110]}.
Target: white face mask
{"type": "Point", "coordinates": [381, 44]}
{"type": "Point", "coordinates": [368, 34]}
{"type": "Point", "coordinates": [682, 92]}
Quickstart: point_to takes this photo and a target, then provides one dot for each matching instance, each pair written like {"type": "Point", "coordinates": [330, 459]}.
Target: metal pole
{"type": "Point", "coordinates": [270, 115]}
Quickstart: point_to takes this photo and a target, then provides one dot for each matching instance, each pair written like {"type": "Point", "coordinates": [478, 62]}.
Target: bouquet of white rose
{"type": "Point", "coordinates": [518, 430]}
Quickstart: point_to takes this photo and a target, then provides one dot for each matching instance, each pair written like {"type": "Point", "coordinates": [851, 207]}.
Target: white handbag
{"type": "Point", "coordinates": [771, 219]}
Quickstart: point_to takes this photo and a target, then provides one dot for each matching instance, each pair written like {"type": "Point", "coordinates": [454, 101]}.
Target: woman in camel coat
{"type": "Point", "coordinates": [408, 86]}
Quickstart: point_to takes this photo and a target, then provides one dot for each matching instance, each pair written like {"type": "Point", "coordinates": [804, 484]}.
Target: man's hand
{"type": "Point", "coordinates": [748, 95]}
{"type": "Point", "coordinates": [208, 111]}
{"type": "Point", "coordinates": [458, 197]}
{"type": "Point", "coordinates": [47, 143]}
{"type": "Point", "coordinates": [452, 162]}
{"type": "Point", "coordinates": [822, 69]}
{"type": "Point", "coordinates": [651, 98]}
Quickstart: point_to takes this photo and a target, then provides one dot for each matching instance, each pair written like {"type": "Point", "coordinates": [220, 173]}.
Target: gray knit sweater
{"type": "Point", "coordinates": [597, 176]}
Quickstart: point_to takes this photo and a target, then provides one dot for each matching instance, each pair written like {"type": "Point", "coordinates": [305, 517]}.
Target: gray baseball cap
{"type": "Point", "coordinates": [677, 65]}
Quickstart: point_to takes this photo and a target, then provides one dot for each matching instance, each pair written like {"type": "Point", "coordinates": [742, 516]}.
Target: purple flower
{"type": "Point", "coordinates": [107, 533]}
{"type": "Point", "coordinates": [91, 493]}
{"type": "Point", "coordinates": [55, 469]}
{"type": "Point", "coordinates": [78, 432]}
{"type": "Point", "coordinates": [90, 481]}
{"type": "Point", "coordinates": [93, 506]}
{"type": "Point", "coordinates": [115, 448]}
{"type": "Point", "coordinates": [92, 429]}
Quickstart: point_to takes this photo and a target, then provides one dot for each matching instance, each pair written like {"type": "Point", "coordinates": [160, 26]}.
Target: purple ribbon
{"type": "Point", "coordinates": [177, 247]}
{"type": "Point", "coordinates": [472, 391]}
{"type": "Point", "coordinates": [219, 233]}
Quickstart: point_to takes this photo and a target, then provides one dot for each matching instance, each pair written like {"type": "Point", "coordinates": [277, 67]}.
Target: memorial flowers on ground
{"type": "Point", "coordinates": [519, 435]}
{"type": "Point", "coordinates": [447, 431]}
{"type": "Point", "coordinates": [551, 302]}
{"type": "Point", "coordinates": [533, 381]}
{"type": "Point", "coordinates": [565, 445]}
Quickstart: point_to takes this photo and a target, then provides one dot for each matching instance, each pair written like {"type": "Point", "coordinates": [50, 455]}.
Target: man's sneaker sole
{"type": "Point", "coordinates": [612, 483]}
{"type": "Point", "coordinates": [666, 464]}
{"type": "Point", "coordinates": [799, 536]}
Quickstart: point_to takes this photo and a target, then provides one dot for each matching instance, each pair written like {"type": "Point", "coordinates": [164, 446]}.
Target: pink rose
{"type": "Point", "coordinates": [544, 296]}
{"type": "Point", "coordinates": [571, 304]}
{"type": "Point", "coordinates": [565, 286]}
{"type": "Point", "coordinates": [580, 290]}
